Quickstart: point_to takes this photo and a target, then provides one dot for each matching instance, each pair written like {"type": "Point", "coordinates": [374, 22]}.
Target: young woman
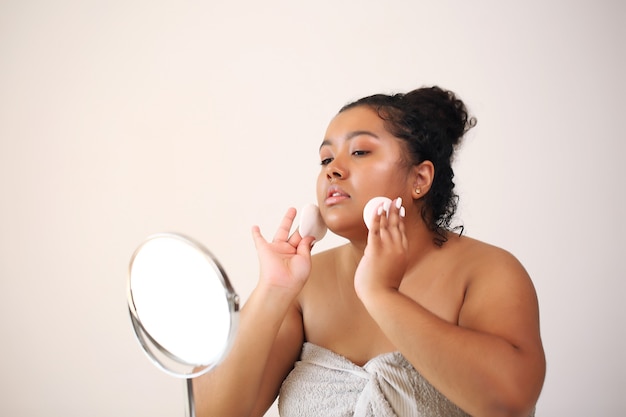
{"type": "Point", "coordinates": [409, 318]}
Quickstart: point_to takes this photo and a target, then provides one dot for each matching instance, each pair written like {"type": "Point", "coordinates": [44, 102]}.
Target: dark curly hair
{"type": "Point", "coordinates": [431, 121]}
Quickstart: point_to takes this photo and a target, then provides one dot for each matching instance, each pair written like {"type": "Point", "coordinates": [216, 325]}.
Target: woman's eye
{"type": "Point", "coordinates": [360, 153]}
{"type": "Point", "coordinates": [326, 161]}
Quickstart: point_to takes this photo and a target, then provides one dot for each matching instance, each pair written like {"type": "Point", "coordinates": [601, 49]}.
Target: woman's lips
{"type": "Point", "coordinates": [335, 195]}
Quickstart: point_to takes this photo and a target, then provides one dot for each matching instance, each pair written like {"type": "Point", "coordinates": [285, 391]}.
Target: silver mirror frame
{"type": "Point", "coordinates": [160, 356]}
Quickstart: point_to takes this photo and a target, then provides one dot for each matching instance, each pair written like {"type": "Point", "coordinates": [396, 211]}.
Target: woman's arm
{"type": "Point", "coordinates": [246, 383]}
{"type": "Point", "coordinates": [270, 332]}
{"type": "Point", "coordinates": [491, 363]}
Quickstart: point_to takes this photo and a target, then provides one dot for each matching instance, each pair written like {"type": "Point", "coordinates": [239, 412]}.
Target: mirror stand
{"type": "Point", "coordinates": [182, 307]}
{"type": "Point", "coordinates": [190, 408]}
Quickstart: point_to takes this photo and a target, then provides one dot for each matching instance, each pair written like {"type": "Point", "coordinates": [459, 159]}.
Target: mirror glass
{"type": "Point", "coordinates": [182, 307]}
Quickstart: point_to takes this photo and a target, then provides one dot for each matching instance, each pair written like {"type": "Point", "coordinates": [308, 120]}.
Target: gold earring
{"type": "Point", "coordinates": [418, 191]}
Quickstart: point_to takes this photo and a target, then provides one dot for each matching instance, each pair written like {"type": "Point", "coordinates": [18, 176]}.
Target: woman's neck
{"type": "Point", "coordinates": [420, 239]}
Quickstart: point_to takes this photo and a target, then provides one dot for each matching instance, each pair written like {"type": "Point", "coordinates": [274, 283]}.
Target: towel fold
{"type": "Point", "coordinates": [324, 383]}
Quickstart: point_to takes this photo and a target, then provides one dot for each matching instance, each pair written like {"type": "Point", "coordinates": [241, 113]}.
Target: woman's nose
{"type": "Point", "coordinates": [334, 175]}
{"type": "Point", "coordinates": [334, 171]}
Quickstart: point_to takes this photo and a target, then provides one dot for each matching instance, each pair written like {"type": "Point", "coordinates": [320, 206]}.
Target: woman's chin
{"type": "Point", "coordinates": [348, 230]}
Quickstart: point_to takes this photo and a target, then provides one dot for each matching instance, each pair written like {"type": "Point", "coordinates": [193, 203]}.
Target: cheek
{"type": "Point", "coordinates": [320, 189]}
{"type": "Point", "coordinates": [384, 179]}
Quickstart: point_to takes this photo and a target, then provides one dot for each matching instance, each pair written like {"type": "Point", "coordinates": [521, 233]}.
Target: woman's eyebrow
{"type": "Point", "coordinates": [351, 135]}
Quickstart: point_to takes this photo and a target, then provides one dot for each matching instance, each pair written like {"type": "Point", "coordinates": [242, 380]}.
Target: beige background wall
{"type": "Point", "coordinates": [119, 119]}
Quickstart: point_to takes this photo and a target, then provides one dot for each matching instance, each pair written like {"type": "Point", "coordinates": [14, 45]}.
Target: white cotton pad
{"type": "Point", "coordinates": [311, 222]}
{"type": "Point", "coordinates": [370, 209]}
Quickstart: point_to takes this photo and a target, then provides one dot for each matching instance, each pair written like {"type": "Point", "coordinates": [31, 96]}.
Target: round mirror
{"type": "Point", "coordinates": [182, 307]}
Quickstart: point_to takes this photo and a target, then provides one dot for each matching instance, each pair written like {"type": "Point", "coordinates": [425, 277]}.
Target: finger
{"type": "Point", "coordinates": [375, 226]}
{"type": "Point", "coordinates": [405, 240]}
{"type": "Point", "coordinates": [257, 237]}
{"type": "Point", "coordinates": [295, 238]}
{"type": "Point", "coordinates": [305, 245]}
{"type": "Point", "coordinates": [282, 234]}
{"type": "Point", "coordinates": [394, 214]}
{"type": "Point", "coordinates": [400, 212]}
{"type": "Point", "coordinates": [384, 217]}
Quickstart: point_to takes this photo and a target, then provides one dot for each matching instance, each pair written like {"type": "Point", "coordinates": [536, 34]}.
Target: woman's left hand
{"type": "Point", "coordinates": [385, 258]}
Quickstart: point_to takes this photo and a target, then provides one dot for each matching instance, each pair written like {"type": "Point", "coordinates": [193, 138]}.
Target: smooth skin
{"type": "Point", "coordinates": [464, 314]}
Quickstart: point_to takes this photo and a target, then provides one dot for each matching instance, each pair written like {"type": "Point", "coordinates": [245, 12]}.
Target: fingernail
{"type": "Point", "coordinates": [399, 202]}
{"type": "Point", "coordinates": [380, 210]}
{"type": "Point", "coordinates": [386, 205]}
{"type": "Point", "coordinates": [402, 211]}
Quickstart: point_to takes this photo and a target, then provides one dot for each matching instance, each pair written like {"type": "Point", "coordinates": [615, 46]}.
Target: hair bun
{"type": "Point", "coordinates": [439, 111]}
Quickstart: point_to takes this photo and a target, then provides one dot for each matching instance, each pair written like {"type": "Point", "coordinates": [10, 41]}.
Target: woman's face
{"type": "Point", "coordinates": [359, 160]}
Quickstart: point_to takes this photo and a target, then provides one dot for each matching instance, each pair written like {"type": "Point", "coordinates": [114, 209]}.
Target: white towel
{"type": "Point", "coordinates": [324, 383]}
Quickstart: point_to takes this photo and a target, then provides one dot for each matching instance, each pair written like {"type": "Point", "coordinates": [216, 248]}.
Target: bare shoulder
{"type": "Point", "coordinates": [500, 297]}
{"type": "Point", "coordinates": [484, 260]}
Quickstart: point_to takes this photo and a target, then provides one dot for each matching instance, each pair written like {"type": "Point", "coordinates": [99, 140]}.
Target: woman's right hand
{"type": "Point", "coordinates": [269, 335]}
{"type": "Point", "coordinates": [285, 262]}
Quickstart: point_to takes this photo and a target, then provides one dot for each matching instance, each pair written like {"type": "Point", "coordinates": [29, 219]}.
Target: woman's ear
{"type": "Point", "coordinates": [423, 175]}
